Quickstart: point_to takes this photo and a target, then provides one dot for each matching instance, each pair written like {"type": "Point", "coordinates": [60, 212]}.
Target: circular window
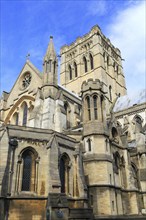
{"type": "Point", "coordinates": [26, 80]}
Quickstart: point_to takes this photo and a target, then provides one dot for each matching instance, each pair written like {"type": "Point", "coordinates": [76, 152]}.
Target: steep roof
{"type": "Point", "coordinates": [127, 101]}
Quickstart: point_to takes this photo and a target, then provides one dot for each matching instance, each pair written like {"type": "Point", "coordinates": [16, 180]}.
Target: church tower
{"type": "Point", "coordinates": [92, 56]}
{"type": "Point", "coordinates": [50, 65]}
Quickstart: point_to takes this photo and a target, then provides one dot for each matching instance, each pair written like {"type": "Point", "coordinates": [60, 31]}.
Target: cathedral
{"type": "Point", "coordinates": [74, 150]}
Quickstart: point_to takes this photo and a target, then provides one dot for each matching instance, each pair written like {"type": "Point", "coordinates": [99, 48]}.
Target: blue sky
{"type": "Point", "coordinates": [27, 25]}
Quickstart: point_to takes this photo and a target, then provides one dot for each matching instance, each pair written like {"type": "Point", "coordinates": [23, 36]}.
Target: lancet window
{"type": "Point", "coordinates": [64, 173]}
{"type": "Point", "coordinates": [85, 64]}
{"type": "Point", "coordinates": [70, 72]}
{"type": "Point", "coordinates": [88, 108]}
{"type": "Point", "coordinates": [76, 70]}
{"type": "Point", "coordinates": [91, 61]}
{"type": "Point", "coordinates": [95, 106]}
{"type": "Point", "coordinates": [25, 112]}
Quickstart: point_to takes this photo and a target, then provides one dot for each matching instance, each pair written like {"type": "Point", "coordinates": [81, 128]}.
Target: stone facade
{"type": "Point", "coordinates": [73, 151]}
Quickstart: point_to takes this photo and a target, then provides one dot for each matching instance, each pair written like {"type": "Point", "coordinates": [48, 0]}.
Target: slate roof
{"type": "Point", "coordinates": [127, 101]}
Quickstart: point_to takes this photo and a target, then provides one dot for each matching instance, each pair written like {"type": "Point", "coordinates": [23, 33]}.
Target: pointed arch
{"type": "Point", "coordinates": [70, 72]}
{"type": "Point", "coordinates": [15, 118]}
{"type": "Point", "coordinates": [88, 107]}
{"type": "Point", "coordinates": [68, 111]}
{"type": "Point", "coordinates": [91, 61]}
{"type": "Point", "coordinates": [89, 144]}
{"type": "Point", "coordinates": [95, 107]}
{"type": "Point", "coordinates": [116, 157]}
{"type": "Point", "coordinates": [64, 172]}
{"type": "Point", "coordinates": [135, 175]}
{"type": "Point", "coordinates": [85, 64]}
{"type": "Point", "coordinates": [76, 69]}
{"type": "Point", "coordinates": [28, 159]}
{"type": "Point", "coordinates": [25, 113]}
{"type": "Point", "coordinates": [110, 92]}
{"type": "Point", "coordinates": [14, 108]}
{"type": "Point", "coordinates": [138, 123]}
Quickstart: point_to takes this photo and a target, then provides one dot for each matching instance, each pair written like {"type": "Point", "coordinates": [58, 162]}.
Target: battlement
{"type": "Point", "coordinates": [91, 84]}
{"type": "Point", "coordinates": [95, 30]}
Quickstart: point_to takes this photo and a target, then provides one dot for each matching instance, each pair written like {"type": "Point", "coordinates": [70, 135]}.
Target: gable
{"type": "Point", "coordinates": [27, 83]}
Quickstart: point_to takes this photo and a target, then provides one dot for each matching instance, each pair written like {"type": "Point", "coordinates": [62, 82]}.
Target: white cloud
{"type": "Point", "coordinates": [98, 7]}
{"type": "Point", "coordinates": [127, 32]}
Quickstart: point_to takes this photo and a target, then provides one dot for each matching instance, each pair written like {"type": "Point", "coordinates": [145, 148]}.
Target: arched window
{"type": "Point", "coordinates": [29, 175]}
{"type": "Point", "coordinates": [27, 169]}
{"type": "Point", "coordinates": [64, 173]}
{"type": "Point", "coordinates": [138, 124]}
{"type": "Point", "coordinates": [110, 92]}
{"type": "Point", "coordinates": [115, 135]}
{"type": "Point", "coordinates": [88, 107]}
{"type": "Point", "coordinates": [76, 70]}
{"type": "Point", "coordinates": [135, 175]}
{"type": "Point", "coordinates": [116, 164]}
{"type": "Point", "coordinates": [85, 64]}
{"type": "Point", "coordinates": [16, 118]}
{"type": "Point", "coordinates": [89, 144]}
{"type": "Point", "coordinates": [50, 65]}
{"type": "Point", "coordinates": [95, 106]}
{"type": "Point", "coordinates": [54, 66]}
{"type": "Point", "coordinates": [68, 118]}
{"type": "Point", "coordinates": [102, 107]}
{"type": "Point", "coordinates": [91, 61]}
{"type": "Point", "coordinates": [25, 110]}
{"type": "Point", "coordinates": [70, 72]}
{"type": "Point", "coordinates": [28, 164]}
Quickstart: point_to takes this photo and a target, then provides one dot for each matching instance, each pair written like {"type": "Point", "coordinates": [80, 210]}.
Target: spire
{"type": "Point", "coordinates": [50, 54]}
{"type": "Point", "coordinates": [50, 64]}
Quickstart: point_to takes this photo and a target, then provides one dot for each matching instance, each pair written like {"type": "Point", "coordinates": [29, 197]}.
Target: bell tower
{"type": "Point", "coordinates": [50, 65]}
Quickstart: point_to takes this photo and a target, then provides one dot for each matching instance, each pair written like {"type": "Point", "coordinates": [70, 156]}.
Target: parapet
{"type": "Point", "coordinates": [95, 30]}
{"type": "Point", "coordinates": [91, 84]}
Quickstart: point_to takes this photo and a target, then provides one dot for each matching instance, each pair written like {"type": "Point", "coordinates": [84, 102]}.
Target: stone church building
{"type": "Point", "coordinates": [76, 150]}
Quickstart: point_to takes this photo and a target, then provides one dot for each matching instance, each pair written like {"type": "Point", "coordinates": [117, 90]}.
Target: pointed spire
{"type": "Point", "coordinates": [50, 54]}
{"type": "Point", "coordinates": [50, 65]}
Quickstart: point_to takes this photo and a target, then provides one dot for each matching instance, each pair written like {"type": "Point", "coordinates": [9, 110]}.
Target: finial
{"type": "Point", "coordinates": [51, 37]}
{"type": "Point", "coordinates": [27, 56]}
